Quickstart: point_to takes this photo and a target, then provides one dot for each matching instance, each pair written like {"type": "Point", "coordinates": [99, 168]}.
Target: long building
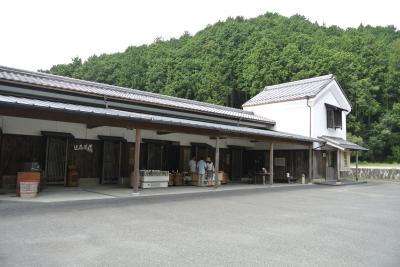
{"type": "Point", "coordinates": [297, 128]}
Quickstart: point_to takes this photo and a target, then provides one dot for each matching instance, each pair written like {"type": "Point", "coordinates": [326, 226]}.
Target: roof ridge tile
{"type": "Point", "coordinates": [299, 82]}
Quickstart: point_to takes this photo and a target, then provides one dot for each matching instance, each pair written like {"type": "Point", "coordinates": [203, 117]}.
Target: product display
{"type": "Point", "coordinates": [154, 179]}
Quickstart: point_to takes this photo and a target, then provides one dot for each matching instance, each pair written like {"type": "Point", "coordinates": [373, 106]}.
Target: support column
{"type": "Point", "coordinates": [338, 164]}
{"type": "Point", "coordinates": [216, 162]}
{"type": "Point", "coordinates": [271, 163]}
{"type": "Point", "coordinates": [310, 164]}
{"type": "Point", "coordinates": [136, 173]}
{"type": "Point", "coordinates": [356, 165]}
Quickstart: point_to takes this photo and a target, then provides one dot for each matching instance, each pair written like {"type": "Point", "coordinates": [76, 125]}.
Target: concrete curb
{"type": "Point", "coordinates": [333, 183]}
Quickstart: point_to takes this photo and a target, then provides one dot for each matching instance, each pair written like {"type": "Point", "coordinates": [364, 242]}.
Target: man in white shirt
{"type": "Point", "coordinates": [192, 170]}
{"type": "Point", "coordinates": [192, 165]}
{"type": "Point", "coordinates": [201, 170]}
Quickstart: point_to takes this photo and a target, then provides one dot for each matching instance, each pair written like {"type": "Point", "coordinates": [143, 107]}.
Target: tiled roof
{"type": "Point", "coordinates": [291, 90]}
{"type": "Point", "coordinates": [344, 144]}
{"type": "Point", "coordinates": [104, 90]}
{"type": "Point", "coordinates": [120, 114]}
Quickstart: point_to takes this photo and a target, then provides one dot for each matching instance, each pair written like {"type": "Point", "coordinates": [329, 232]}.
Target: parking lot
{"type": "Point", "coordinates": [355, 225]}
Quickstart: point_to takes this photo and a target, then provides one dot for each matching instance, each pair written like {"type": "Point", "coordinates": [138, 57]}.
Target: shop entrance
{"type": "Point", "coordinates": [236, 163]}
{"type": "Point", "coordinates": [56, 157]}
{"type": "Point", "coordinates": [111, 167]}
{"type": "Point", "coordinates": [331, 165]}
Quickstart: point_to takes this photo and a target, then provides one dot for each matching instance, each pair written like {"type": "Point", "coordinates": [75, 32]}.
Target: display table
{"type": "Point", "coordinates": [154, 178]}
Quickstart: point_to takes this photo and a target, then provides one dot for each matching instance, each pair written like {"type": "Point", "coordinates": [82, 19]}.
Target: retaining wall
{"type": "Point", "coordinates": [377, 173]}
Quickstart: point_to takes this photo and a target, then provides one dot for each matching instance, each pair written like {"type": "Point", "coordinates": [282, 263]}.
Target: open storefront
{"type": "Point", "coordinates": [101, 134]}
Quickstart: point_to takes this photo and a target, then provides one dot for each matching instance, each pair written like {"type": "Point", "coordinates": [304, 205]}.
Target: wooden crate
{"type": "Point", "coordinates": [31, 176]}
{"type": "Point", "coordinates": [195, 179]}
{"type": "Point", "coordinates": [171, 180]}
{"type": "Point", "coordinates": [178, 179]}
{"type": "Point", "coordinates": [223, 177]}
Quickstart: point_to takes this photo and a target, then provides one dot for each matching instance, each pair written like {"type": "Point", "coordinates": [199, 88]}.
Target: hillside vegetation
{"type": "Point", "coordinates": [231, 61]}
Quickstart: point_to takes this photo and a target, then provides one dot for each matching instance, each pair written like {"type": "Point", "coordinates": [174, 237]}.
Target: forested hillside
{"type": "Point", "coordinates": [230, 61]}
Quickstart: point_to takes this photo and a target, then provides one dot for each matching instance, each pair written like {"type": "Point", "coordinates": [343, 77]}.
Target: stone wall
{"type": "Point", "coordinates": [377, 173]}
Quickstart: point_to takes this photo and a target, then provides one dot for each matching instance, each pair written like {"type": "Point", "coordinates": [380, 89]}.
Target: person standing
{"type": "Point", "coordinates": [192, 169]}
{"type": "Point", "coordinates": [210, 170]}
{"type": "Point", "coordinates": [192, 165]}
{"type": "Point", "coordinates": [201, 170]}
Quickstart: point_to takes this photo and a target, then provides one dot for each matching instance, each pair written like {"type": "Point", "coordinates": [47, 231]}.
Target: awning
{"type": "Point", "coordinates": [340, 143]}
{"type": "Point", "coordinates": [43, 109]}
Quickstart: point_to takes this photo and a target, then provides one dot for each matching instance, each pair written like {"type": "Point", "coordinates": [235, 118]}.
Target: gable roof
{"type": "Point", "coordinates": [291, 91]}
{"type": "Point", "coordinates": [45, 80]}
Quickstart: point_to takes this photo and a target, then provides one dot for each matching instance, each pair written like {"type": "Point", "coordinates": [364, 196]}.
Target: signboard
{"type": "Point", "coordinates": [280, 162]}
{"type": "Point", "coordinates": [84, 147]}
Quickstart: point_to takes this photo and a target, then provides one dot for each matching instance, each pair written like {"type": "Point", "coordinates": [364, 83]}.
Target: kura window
{"type": "Point", "coordinates": [333, 117]}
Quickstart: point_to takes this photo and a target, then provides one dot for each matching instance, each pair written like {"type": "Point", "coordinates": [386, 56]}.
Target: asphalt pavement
{"type": "Point", "coordinates": [355, 225]}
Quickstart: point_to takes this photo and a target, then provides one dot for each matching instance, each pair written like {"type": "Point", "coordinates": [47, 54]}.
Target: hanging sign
{"type": "Point", "coordinates": [84, 147]}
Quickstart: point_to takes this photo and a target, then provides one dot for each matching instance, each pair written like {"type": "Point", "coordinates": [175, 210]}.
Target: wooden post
{"type": "Point", "coordinates": [136, 173]}
{"type": "Point", "coordinates": [338, 164]}
{"type": "Point", "coordinates": [271, 163]}
{"type": "Point", "coordinates": [310, 163]}
{"type": "Point", "coordinates": [216, 162]}
{"type": "Point", "coordinates": [357, 165]}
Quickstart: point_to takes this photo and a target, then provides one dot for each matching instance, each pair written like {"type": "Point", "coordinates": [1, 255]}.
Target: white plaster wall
{"type": "Point", "coordinates": [319, 116]}
{"type": "Point", "coordinates": [24, 126]}
{"type": "Point", "coordinates": [291, 116]}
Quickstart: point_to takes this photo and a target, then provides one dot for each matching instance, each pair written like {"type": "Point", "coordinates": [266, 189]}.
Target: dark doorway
{"type": "Point", "coordinates": [236, 164]}
{"type": "Point", "coordinates": [156, 156]}
{"type": "Point", "coordinates": [111, 170]}
{"type": "Point", "coordinates": [56, 159]}
{"type": "Point", "coordinates": [300, 163]}
{"type": "Point", "coordinates": [331, 165]}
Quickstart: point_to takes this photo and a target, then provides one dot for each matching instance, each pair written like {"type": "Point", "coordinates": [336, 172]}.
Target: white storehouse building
{"type": "Point", "coordinates": [315, 107]}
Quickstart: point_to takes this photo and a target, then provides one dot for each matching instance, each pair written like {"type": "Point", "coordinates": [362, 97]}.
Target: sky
{"type": "Point", "coordinates": [36, 34]}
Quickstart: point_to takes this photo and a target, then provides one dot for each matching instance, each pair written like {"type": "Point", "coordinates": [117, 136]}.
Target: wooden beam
{"type": "Point", "coordinates": [356, 165]}
{"type": "Point", "coordinates": [216, 161]}
{"type": "Point", "coordinates": [136, 175]}
{"type": "Point", "coordinates": [163, 132]}
{"type": "Point", "coordinates": [338, 164]}
{"type": "Point", "coordinates": [310, 164]}
{"type": "Point", "coordinates": [271, 163]}
{"type": "Point", "coordinates": [214, 138]}
{"type": "Point", "coordinates": [91, 126]}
